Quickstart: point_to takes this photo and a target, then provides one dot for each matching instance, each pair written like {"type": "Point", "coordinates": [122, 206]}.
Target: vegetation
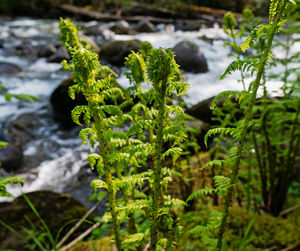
{"type": "Point", "coordinates": [145, 154]}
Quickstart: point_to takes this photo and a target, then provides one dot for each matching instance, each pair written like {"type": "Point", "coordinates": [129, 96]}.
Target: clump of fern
{"type": "Point", "coordinates": [162, 123]}
{"type": "Point", "coordinates": [246, 99]}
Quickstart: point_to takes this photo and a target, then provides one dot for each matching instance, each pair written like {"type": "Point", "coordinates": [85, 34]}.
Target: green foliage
{"type": "Point", "coordinates": [9, 180]}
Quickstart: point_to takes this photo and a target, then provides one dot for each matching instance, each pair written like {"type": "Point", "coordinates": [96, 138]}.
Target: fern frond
{"type": "Point", "coordinates": [98, 184]}
{"type": "Point", "coordinates": [222, 131]}
{"type": "Point", "coordinates": [134, 240]}
{"type": "Point", "coordinates": [175, 152]}
{"type": "Point", "coordinates": [254, 35]}
{"type": "Point", "coordinates": [222, 184]}
{"type": "Point", "coordinates": [222, 95]}
{"type": "Point", "coordinates": [84, 135]}
{"type": "Point", "coordinates": [199, 193]}
{"type": "Point", "coordinates": [77, 111]}
{"type": "Point", "coordinates": [93, 158]}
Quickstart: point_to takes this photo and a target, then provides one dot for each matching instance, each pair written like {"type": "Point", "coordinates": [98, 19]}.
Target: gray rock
{"type": "Point", "coordinates": [115, 52]}
{"type": "Point", "coordinates": [189, 57]}
{"type": "Point", "coordinates": [145, 26]}
{"type": "Point", "coordinates": [8, 68]}
{"type": "Point", "coordinates": [46, 50]}
{"type": "Point", "coordinates": [121, 27]}
{"type": "Point", "coordinates": [99, 30]}
{"type": "Point", "coordinates": [11, 158]}
{"type": "Point", "coordinates": [59, 55]}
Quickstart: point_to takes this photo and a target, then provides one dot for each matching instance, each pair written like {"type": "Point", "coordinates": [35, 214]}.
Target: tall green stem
{"type": "Point", "coordinates": [110, 191]}
{"type": "Point", "coordinates": [248, 117]}
{"type": "Point", "coordinates": [157, 167]}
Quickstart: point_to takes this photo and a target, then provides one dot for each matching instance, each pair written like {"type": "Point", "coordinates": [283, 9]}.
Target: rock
{"type": "Point", "coordinates": [59, 55]}
{"type": "Point", "coordinates": [62, 104]}
{"type": "Point", "coordinates": [11, 158]}
{"type": "Point", "coordinates": [22, 130]}
{"type": "Point", "coordinates": [46, 50]}
{"type": "Point", "coordinates": [202, 110]}
{"type": "Point", "coordinates": [55, 209]}
{"type": "Point", "coordinates": [115, 52]}
{"type": "Point", "coordinates": [202, 127]}
{"type": "Point", "coordinates": [9, 68]}
{"type": "Point", "coordinates": [121, 27]}
{"type": "Point", "coordinates": [92, 43]}
{"type": "Point", "coordinates": [189, 57]}
{"type": "Point", "coordinates": [26, 49]}
{"type": "Point", "coordinates": [98, 30]}
{"type": "Point", "coordinates": [187, 26]}
{"type": "Point", "coordinates": [145, 26]}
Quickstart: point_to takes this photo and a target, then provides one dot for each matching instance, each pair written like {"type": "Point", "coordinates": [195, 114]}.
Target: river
{"type": "Point", "coordinates": [54, 159]}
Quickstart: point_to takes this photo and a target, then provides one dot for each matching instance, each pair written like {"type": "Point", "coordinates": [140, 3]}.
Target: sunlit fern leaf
{"type": "Point", "coordinates": [253, 36]}
{"type": "Point", "coordinates": [134, 240]}
{"type": "Point", "coordinates": [175, 152]}
{"type": "Point", "coordinates": [133, 206]}
{"type": "Point", "coordinates": [132, 180]}
{"type": "Point", "coordinates": [77, 111]}
{"type": "Point", "coordinates": [93, 158]}
{"type": "Point", "coordinates": [272, 10]}
{"type": "Point", "coordinates": [98, 184]}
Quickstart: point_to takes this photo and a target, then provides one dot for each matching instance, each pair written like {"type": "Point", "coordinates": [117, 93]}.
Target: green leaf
{"type": "Point", "coordinates": [98, 184]}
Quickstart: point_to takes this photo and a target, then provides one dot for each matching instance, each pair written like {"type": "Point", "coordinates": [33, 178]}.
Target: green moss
{"type": "Point", "coordinates": [267, 231]}
{"type": "Point", "coordinates": [103, 244]}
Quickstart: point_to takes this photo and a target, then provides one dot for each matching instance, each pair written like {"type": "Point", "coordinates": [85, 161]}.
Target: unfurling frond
{"type": "Point", "coordinates": [98, 184]}
{"type": "Point", "coordinates": [93, 158]}
{"type": "Point", "coordinates": [77, 111]}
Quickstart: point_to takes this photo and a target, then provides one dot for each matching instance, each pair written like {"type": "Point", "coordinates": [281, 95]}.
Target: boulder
{"type": "Point", "coordinates": [11, 158]}
{"type": "Point", "coordinates": [9, 68]}
{"type": "Point", "coordinates": [189, 57]}
{"type": "Point", "coordinates": [115, 52]}
{"type": "Point", "coordinates": [98, 30]}
{"type": "Point", "coordinates": [60, 54]}
{"type": "Point", "coordinates": [55, 209]}
{"type": "Point", "coordinates": [62, 104]}
{"type": "Point", "coordinates": [187, 26]}
{"type": "Point", "coordinates": [145, 26]}
{"type": "Point", "coordinates": [121, 27]}
{"type": "Point", "coordinates": [202, 110]}
{"type": "Point", "coordinates": [46, 50]}
{"type": "Point", "coordinates": [26, 49]}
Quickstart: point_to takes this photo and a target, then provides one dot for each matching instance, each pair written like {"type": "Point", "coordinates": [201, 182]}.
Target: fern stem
{"type": "Point", "coordinates": [108, 176]}
{"type": "Point", "coordinates": [157, 168]}
{"type": "Point", "coordinates": [248, 117]}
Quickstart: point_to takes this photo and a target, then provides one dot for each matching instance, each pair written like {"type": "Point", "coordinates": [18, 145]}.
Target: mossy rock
{"type": "Point", "coordinates": [267, 231]}
{"type": "Point", "coordinates": [103, 244]}
{"type": "Point", "coordinates": [55, 209]}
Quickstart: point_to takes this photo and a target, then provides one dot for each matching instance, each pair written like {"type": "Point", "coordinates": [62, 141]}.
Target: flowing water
{"type": "Point", "coordinates": [54, 159]}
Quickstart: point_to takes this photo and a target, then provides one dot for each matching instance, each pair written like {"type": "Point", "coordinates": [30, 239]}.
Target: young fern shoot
{"type": "Point", "coordinates": [277, 12]}
{"type": "Point", "coordinates": [86, 73]}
